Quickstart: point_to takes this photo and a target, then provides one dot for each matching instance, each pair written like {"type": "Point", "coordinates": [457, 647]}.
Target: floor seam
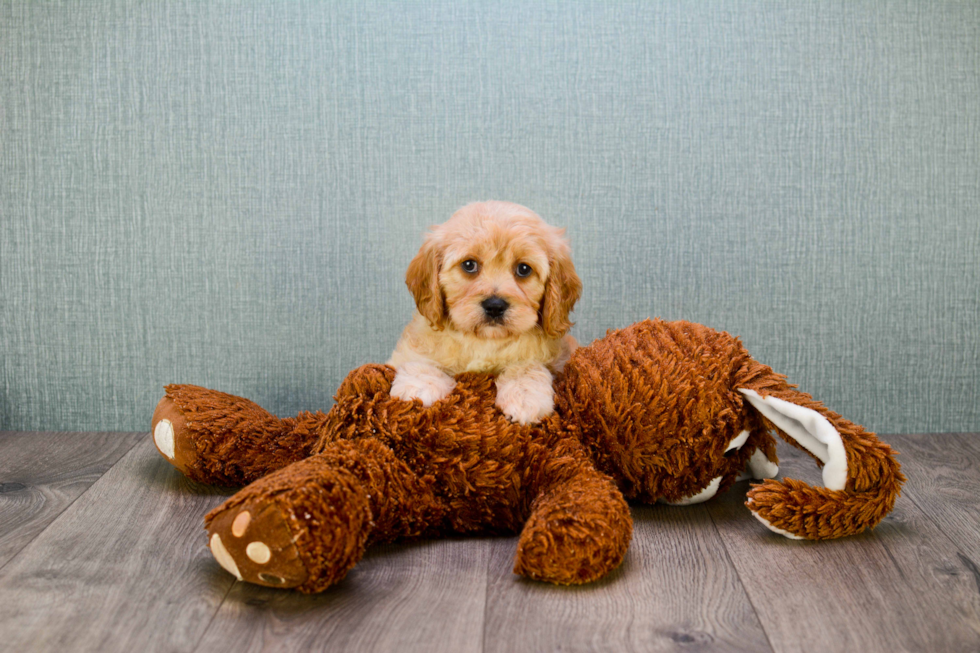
{"type": "Point", "coordinates": [486, 595]}
{"type": "Point", "coordinates": [738, 575]}
{"type": "Point", "coordinates": [136, 440]}
{"type": "Point", "coordinates": [909, 492]}
{"type": "Point", "coordinates": [214, 615]}
{"type": "Point", "coordinates": [910, 495]}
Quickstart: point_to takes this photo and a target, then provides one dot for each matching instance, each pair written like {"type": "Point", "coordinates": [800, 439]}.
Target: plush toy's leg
{"type": "Point", "coordinates": [860, 474]}
{"type": "Point", "coordinates": [305, 526]}
{"type": "Point", "coordinates": [579, 529]}
{"type": "Point", "coordinates": [221, 439]}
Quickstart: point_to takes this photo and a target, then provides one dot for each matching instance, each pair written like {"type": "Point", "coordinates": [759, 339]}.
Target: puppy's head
{"type": "Point", "coordinates": [495, 269]}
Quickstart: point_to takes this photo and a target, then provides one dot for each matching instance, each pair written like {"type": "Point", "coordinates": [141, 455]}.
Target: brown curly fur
{"type": "Point", "coordinates": [816, 513]}
{"type": "Point", "coordinates": [646, 412]}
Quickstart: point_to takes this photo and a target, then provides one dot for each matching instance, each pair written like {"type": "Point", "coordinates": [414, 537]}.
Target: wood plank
{"type": "Point", "coordinates": [675, 590]}
{"type": "Point", "coordinates": [899, 587]}
{"type": "Point", "coordinates": [943, 474]}
{"type": "Point", "coordinates": [41, 474]}
{"type": "Point", "coordinates": [124, 568]}
{"type": "Point", "coordinates": [425, 596]}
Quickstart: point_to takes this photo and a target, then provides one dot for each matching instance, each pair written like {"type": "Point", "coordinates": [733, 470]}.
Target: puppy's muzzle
{"type": "Point", "coordinates": [494, 308]}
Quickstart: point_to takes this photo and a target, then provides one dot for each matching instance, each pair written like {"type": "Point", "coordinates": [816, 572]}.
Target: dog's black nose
{"type": "Point", "coordinates": [494, 306]}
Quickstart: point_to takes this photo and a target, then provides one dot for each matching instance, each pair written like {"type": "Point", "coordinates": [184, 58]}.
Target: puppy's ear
{"type": "Point", "coordinates": [422, 280]}
{"type": "Point", "coordinates": [561, 291]}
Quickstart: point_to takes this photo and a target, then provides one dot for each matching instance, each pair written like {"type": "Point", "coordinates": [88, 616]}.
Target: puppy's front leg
{"type": "Point", "coordinates": [421, 380]}
{"type": "Point", "coordinates": [525, 393]}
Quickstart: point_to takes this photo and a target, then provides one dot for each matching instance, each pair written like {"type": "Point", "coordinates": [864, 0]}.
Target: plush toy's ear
{"type": "Point", "coordinates": [860, 473]}
{"type": "Point", "coordinates": [561, 291]}
{"type": "Point", "coordinates": [422, 280]}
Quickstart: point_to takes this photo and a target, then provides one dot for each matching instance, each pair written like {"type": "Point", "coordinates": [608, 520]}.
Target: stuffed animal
{"type": "Point", "coordinates": [668, 411]}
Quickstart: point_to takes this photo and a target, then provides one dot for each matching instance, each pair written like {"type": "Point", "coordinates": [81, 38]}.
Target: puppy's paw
{"type": "Point", "coordinates": [526, 396]}
{"type": "Point", "coordinates": [525, 409]}
{"type": "Point", "coordinates": [421, 381]}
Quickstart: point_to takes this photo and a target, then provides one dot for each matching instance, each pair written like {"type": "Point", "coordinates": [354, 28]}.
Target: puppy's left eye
{"type": "Point", "coordinates": [523, 270]}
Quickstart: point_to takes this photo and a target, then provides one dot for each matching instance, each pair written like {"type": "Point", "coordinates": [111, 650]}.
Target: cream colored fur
{"type": "Point", "coordinates": [451, 332]}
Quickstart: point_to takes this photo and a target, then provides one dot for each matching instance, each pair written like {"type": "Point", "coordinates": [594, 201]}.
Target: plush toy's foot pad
{"type": "Point", "coordinates": [304, 526]}
{"type": "Point", "coordinates": [253, 542]}
{"type": "Point", "coordinates": [171, 436]}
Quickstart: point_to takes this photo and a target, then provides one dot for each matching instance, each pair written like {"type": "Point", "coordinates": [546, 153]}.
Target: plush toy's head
{"type": "Point", "coordinates": [678, 412]}
{"type": "Point", "coordinates": [658, 407]}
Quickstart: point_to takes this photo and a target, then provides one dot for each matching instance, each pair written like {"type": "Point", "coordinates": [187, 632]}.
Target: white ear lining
{"type": "Point", "coordinates": [738, 441]}
{"type": "Point", "coordinates": [811, 430]}
{"type": "Point", "coordinates": [761, 467]}
{"type": "Point", "coordinates": [778, 531]}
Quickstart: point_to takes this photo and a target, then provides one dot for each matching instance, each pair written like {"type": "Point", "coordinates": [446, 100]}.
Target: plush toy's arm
{"type": "Point", "coordinates": [220, 439]}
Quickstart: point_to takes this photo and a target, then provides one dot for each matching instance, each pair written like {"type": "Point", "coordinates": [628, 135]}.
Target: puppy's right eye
{"type": "Point", "coordinates": [470, 266]}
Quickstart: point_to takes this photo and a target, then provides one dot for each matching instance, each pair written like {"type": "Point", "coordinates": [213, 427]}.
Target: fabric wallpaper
{"type": "Point", "coordinates": [228, 193]}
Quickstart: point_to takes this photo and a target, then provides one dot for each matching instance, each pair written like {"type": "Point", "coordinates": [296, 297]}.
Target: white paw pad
{"type": "Point", "coordinates": [272, 579]}
{"type": "Point", "coordinates": [239, 526]}
{"type": "Point", "coordinates": [258, 552]}
{"type": "Point", "coordinates": [224, 558]}
{"type": "Point", "coordinates": [163, 437]}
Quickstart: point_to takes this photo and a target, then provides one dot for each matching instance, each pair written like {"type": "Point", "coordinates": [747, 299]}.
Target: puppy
{"type": "Point", "coordinates": [493, 288]}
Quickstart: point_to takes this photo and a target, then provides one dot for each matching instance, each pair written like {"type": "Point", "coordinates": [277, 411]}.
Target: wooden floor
{"type": "Point", "coordinates": [102, 549]}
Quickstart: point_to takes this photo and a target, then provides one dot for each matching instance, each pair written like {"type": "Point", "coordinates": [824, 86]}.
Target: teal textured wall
{"type": "Point", "coordinates": [228, 193]}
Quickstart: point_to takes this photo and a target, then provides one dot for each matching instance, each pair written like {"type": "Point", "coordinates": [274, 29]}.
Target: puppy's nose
{"type": "Point", "coordinates": [494, 306]}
